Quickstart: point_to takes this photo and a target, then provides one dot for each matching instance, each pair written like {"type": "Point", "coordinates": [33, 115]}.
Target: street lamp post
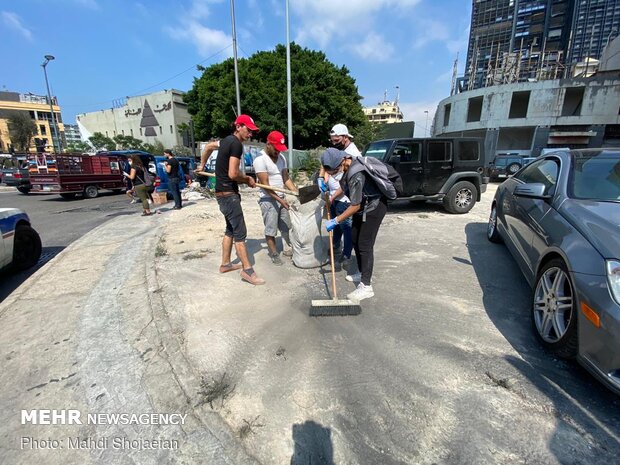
{"type": "Point", "coordinates": [426, 125]}
{"type": "Point", "coordinates": [49, 58]}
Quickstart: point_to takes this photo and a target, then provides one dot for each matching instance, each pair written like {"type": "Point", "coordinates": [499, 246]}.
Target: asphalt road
{"type": "Point", "coordinates": [59, 222]}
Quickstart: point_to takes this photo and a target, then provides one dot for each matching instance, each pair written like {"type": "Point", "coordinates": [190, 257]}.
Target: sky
{"type": "Point", "coordinates": [108, 49]}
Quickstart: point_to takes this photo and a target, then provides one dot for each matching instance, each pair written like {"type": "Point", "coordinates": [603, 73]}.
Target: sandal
{"type": "Point", "coordinates": [147, 214]}
{"type": "Point", "coordinates": [230, 267]}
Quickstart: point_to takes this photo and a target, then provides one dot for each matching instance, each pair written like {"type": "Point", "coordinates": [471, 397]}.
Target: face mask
{"type": "Point", "coordinates": [339, 145]}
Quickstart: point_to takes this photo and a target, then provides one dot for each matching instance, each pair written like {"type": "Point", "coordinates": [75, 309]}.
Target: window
{"type": "Point", "coordinates": [573, 98]}
{"type": "Point", "coordinates": [42, 129]}
{"type": "Point", "coordinates": [474, 109]}
{"type": "Point", "coordinates": [447, 108]}
{"type": "Point", "coordinates": [131, 132]}
{"type": "Point", "coordinates": [160, 129]}
{"type": "Point", "coordinates": [543, 171]}
{"type": "Point", "coordinates": [439, 152]}
{"type": "Point", "coordinates": [407, 152]}
{"type": "Point", "coordinates": [469, 150]}
{"type": "Point", "coordinates": [518, 105]}
{"type": "Point", "coordinates": [140, 131]}
{"type": "Point", "coordinates": [171, 132]}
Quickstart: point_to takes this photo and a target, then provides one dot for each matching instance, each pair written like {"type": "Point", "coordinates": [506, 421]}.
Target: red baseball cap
{"type": "Point", "coordinates": [246, 120]}
{"type": "Point", "coordinates": [276, 139]}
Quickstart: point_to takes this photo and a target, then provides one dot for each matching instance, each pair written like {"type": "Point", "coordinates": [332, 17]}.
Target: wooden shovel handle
{"type": "Point", "coordinates": [263, 186]}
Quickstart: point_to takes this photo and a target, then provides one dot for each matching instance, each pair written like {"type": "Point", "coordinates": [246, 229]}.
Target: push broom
{"type": "Point", "coordinates": [305, 194]}
{"type": "Point", "coordinates": [335, 306]}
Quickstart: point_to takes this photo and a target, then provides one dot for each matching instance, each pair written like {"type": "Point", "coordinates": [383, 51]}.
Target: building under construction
{"type": "Point", "coordinates": [519, 40]}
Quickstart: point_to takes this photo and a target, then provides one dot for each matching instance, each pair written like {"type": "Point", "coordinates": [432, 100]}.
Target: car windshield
{"type": "Point", "coordinates": [378, 149]}
{"type": "Point", "coordinates": [596, 177]}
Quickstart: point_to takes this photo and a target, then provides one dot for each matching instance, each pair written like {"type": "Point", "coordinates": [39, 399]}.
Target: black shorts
{"type": "Point", "coordinates": [230, 206]}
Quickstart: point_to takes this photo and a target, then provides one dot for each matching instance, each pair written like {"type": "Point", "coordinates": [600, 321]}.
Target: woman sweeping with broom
{"type": "Point", "coordinates": [368, 208]}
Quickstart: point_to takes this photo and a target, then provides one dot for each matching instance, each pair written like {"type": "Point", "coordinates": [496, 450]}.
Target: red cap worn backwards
{"type": "Point", "coordinates": [246, 121]}
{"type": "Point", "coordinates": [276, 139]}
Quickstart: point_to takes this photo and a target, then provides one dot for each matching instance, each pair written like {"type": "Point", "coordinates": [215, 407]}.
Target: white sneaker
{"type": "Point", "coordinates": [362, 292]}
{"type": "Point", "coordinates": [354, 278]}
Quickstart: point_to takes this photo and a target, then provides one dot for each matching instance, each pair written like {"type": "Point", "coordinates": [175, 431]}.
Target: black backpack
{"type": "Point", "coordinates": [385, 176]}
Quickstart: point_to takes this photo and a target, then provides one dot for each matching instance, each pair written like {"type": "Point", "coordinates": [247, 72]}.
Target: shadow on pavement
{"type": "Point", "coordinates": [576, 400]}
{"type": "Point", "coordinates": [9, 281]}
{"type": "Point", "coordinates": [313, 445]}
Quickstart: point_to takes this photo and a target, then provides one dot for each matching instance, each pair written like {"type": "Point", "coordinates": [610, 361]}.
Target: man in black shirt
{"type": "Point", "coordinates": [368, 207]}
{"type": "Point", "coordinates": [174, 178]}
{"type": "Point", "coordinates": [227, 177]}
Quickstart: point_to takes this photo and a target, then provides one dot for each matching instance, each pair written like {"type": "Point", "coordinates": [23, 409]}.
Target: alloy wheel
{"type": "Point", "coordinates": [463, 198]}
{"type": "Point", "coordinates": [553, 304]}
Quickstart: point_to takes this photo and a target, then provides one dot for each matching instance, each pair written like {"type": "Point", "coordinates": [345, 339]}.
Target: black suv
{"type": "Point", "coordinates": [448, 169]}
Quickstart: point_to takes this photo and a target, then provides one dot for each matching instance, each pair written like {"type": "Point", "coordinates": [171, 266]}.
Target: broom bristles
{"type": "Point", "coordinates": [340, 307]}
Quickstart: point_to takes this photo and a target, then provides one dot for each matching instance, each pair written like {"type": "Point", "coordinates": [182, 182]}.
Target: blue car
{"type": "Point", "coordinates": [20, 248]}
{"type": "Point", "coordinates": [187, 165]}
{"type": "Point", "coordinates": [559, 217]}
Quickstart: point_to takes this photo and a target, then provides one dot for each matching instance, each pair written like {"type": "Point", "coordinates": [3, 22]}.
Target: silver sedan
{"type": "Point", "coordinates": [560, 219]}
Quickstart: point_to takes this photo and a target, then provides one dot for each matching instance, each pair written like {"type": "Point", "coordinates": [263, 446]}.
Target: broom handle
{"type": "Point", "coordinates": [331, 249]}
{"type": "Point", "coordinates": [263, 186]}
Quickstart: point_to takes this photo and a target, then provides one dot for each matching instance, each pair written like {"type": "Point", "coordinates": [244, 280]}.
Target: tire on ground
{"type": "Point", "coordinates": [91, 192]}
{"type": "Point", "coordinates": [567, 346]}
{"type": "Point", "coordinates": [460, 198]}
{"type": "Point", "coordinates": [26, 247]}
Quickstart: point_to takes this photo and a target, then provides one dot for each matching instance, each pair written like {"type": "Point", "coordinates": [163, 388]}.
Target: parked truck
{"type": "Point", "coordinates": [75, 174]}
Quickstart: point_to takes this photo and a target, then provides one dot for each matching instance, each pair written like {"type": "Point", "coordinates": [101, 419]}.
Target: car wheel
{"type": "Point", "coordinates": [91, 192]}
{"type": "Point", "coordinates": [461, 198]}
{"type": "Point", "coordinates": [492, 233]}
{"type": "Point", "coordinates": [513, 168]}
{"type": "Point", "coordinates": [68, 195]}
{"type": "Point", "coordinates": [24, 190]}
{"type": "Point", "coordinates": [26, 248]}
{"type": "Point", "coordinates": [553, 310]}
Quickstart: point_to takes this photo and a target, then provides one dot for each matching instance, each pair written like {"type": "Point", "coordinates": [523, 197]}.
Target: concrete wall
{"type": "Point", "coordinates": [149, 118]}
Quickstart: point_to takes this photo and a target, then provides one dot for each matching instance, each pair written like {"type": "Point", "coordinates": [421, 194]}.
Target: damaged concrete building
{"type": "Point", "coordinates": [520, 93]}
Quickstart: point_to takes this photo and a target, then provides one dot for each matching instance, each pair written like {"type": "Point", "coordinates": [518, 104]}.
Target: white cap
{"type": "Point", "coordinates": [340, 130]}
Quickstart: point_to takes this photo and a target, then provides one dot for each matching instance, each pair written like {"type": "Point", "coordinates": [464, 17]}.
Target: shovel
{"type": "Point", "coordinates": [305, 194]}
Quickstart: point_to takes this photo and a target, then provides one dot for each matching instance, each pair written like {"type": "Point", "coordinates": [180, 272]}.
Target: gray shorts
{"type": "Point", "coordinates": [230, 206]}
{"type": "Point", "coordinates": [275, 217]}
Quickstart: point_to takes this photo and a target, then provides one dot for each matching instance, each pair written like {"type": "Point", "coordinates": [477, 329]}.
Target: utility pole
{"type": "Point", "coordinates": [234, 35]}
{"type": "Point", "coordinates": [288, 92]}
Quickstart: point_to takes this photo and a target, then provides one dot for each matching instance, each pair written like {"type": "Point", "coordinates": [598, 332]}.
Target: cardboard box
{"type": "Point", "coordinates": [160, 198]}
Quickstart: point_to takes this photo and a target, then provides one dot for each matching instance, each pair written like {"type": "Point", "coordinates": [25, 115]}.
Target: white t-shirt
{"type": "Point", "coordinates": [334, 184]}
{"type": "Point", "coordinates": [353, 150]}
{"type": "Point", "coordinates": [264, 164]}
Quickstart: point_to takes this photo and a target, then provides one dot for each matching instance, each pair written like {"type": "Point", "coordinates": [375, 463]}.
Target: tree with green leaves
{"type": "Point", "coordinates": [127, 142]}
{"type": "Point", "coordinates": [101, 142]}
{"type": "Point", "coordinates": [21, 130]}
{"type": "Point", "coordinates": [323, 94]}
{"type": "Point", "coordinates": [79, 147]}
{"type": "Point", "coordinates": [156, 148]}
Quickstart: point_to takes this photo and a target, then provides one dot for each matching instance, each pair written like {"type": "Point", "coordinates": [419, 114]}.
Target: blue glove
{"type": "Point", "coordinates": [322, 185]}
{"type": "Point", "coordinates": [331, 224]}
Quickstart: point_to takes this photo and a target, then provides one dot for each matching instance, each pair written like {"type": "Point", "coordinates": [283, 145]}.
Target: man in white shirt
{"type": "Point", "coordinates": [342, 140]}
{"type": "Point", "coordinates": [271, 169]}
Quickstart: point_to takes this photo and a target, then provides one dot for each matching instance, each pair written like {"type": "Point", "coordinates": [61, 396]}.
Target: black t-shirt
{"type": "Point", "coordinates": [174, 168]}
{"type": "Point", "coordinates": [229, 147]}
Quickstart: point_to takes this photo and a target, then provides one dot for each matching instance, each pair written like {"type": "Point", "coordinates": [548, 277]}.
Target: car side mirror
{"type": "Point", "coordinates": [533, 190]}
